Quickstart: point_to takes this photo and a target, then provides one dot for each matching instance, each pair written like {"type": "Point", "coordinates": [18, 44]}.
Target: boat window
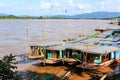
{"type": "Point", "coordinates": [92, 57]}
{"type": "Point", "coordinates": [74, 52]}
{"type": "Point", "coordinates": [105, 58]}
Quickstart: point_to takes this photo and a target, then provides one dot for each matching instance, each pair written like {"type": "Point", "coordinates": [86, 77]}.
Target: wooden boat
{"type": "Point", "coordinates": [69, 60]}
{"type": "Point", "coordinates": [52, 60]}
{"type": "Point", "coordinates": [71, 57]}
{"type": "Point", "coordinates": [94, 57]}
{"type": "Point", "coordinates": [57, 54]}
{"type": "Point", "coordinates": [53, 55]}
{"type": "Point", "coordinates": [35, 57]}
{"type": "Point", "coordinates": [36, 52]}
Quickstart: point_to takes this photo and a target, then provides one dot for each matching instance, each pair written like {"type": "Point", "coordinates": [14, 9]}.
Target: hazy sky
{"type": "Point", "coordinates": [57, 7]}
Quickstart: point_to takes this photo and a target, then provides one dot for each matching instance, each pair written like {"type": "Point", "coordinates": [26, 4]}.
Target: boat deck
{"type": "Point", "coordinates": [52, 61]}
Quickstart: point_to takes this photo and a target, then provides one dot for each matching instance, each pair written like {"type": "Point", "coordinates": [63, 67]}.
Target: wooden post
{"type": "Point", "coordinates": [45, 55]}
{"type": "Point", "coordinates": [103, 77]}
{"type": "Point", "coordinates": [60, 54]}
{"type": "Point", "coordinates": [68, 54]}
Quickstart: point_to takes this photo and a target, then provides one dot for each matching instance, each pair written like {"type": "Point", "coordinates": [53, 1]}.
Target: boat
{"type": "Point", "coordinates": [58, 53]}
{"type": "Point", "coordinates": [93, 57]}
{"type": "Point", "coordinates": [71, 57]}
{"type": "Point", "coordinates": [36, 52]}
{"type": "Point", "coordinates": [53, 55]}
{"type": "Point", "coordinates": [116, 21]}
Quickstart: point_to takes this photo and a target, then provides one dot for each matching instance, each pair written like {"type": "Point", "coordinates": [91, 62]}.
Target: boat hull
{"type": "Point", "coordinates": [95, 66]}
{"type": "Point", "coordinates": [35, 57]}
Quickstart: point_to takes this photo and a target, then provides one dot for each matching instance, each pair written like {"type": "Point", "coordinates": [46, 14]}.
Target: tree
{"type": "Point", "coordinates": [6, 68]}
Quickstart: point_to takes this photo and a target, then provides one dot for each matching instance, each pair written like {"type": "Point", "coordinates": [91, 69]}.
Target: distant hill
{"type": "Point", "coordinates": [98, 15]}
{"type": "Point", "coordinates": [93, 15]}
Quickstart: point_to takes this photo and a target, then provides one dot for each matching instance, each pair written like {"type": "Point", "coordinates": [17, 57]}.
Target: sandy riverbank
{"type": "Point", "coordinates": [59, 71]}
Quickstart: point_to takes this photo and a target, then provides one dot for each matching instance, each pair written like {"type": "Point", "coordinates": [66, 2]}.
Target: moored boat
{"type": "Point", "coordinates": [97, 56]}
{"type": "Point", "coordinates": [36, 52]}
{"type": "Point", "coordinates": [53, 55]}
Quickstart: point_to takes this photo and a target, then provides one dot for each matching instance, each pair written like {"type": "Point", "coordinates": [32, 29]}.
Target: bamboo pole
{"type": "Point", "coordinates": [103, 77]}
{"type": "Point", "coordinates": [27, 33]}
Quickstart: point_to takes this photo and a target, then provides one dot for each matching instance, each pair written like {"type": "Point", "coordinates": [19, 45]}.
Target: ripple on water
{"type": "Point", "coordinates": [8, 42]}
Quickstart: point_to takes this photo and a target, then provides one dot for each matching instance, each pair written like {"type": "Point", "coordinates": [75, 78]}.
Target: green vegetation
{"type": "Point", "coordinates": [93, 35]}
{"type": "Point", "coordinates": [14, 17]}
{"type": "Point", "coordinates": [26, 17]}
{"type": "Point", "coordinates": [46, 17]}
{"type": "Point", "coordinates": [6, 68]}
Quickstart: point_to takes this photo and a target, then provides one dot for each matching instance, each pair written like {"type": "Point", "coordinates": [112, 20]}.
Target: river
{"type": "Point", "coordinates": [13, 32]}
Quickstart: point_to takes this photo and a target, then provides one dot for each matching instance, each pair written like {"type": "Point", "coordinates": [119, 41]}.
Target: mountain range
{"type": "Point", "coordinates": [93, 15]}
{"type": "Point", "coordinates": [97, 15]}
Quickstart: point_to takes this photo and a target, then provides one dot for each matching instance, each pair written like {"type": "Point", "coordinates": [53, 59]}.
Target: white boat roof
{"type": "Point", "coordinates": [104, 34]}
{"type": "Point", "coordinates": [96, 49]}
{"type": "Point", "coordinates": [45, 43]}
{"type": "Point", "coordinates": [92, 40]}
{"type": "Point", "coordinates": [110, 43]}
{"type": "Point", "coordinates": [103, 49]}
{"type": "Point", "coordinates": [51, 43]}
{"type": "Point", "coordinates": [114, 38]}
{"type": "Point", "coordinates": [79, 39]}
{"type": "Point", "coordinates": [63, 47]}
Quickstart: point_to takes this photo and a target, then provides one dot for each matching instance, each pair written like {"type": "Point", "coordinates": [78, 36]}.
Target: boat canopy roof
{"type": "Point", "coordinates": [104, 34]}
{"type": "Point", "coordinates": [103, 49]}
{"type": "Point", "coordinates": [97, 49]}
{"type": "Point", "coordinates": [79, 39]}
{"type": "Point", "coordinates": [63, 47]}
{"type": "Point", "coordinates": [51, 43]}
{"type": "Point", "coordinates": [92, 40]}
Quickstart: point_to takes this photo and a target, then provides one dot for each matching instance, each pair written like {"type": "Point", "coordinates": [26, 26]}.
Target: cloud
{"type": "Point", "coordinates": [56, 4]}
{"type": "Point", "coordinates": [4, 5]}
{"type": "Point", "coordinates": [70, 2]}
{"type": "Point", "coordinates": [110, 5]}
{"type": "Point", "coordinates": [85, 7]}
{"type": "Point", "coordinates": [45, 5]}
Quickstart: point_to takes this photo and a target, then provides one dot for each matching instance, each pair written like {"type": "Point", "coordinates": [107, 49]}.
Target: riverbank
{"type": "Point", "coordinates": [30, 68]}
{"type": "Point", "coordinates": [59, 71]}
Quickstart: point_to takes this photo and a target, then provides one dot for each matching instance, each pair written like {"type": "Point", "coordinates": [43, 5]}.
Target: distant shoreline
{"type": "Point", "coordinates": [50, 18]}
